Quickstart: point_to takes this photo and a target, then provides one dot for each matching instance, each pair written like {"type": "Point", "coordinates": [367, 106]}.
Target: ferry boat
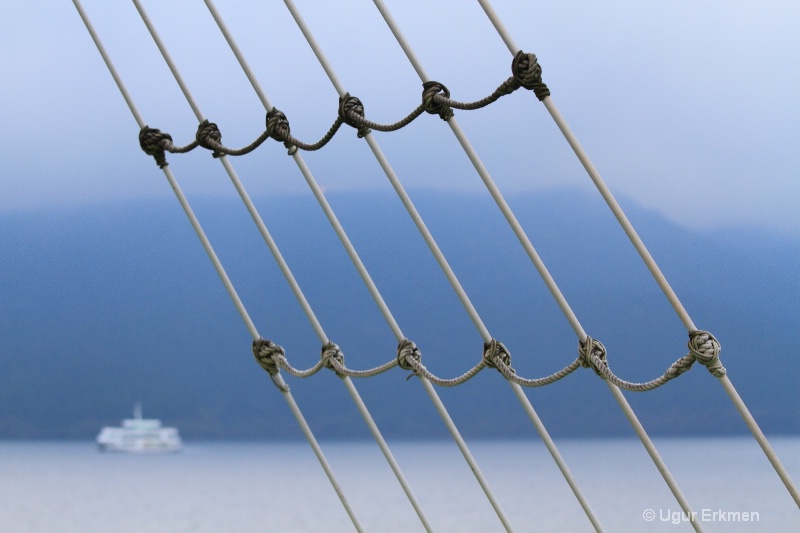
{"type": "Point", "coordinates": [139, 435]}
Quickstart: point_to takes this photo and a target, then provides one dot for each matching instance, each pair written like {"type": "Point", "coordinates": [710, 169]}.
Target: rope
{"type": "Point", "coordinates": [703, 347]}
{"type": "Point", "coordinates": [647, 258]}
{"type": "Point", "coordinates": [333, 359]}
{"type": "Point", "coordinates": [429, 389]}
{"type": "Point", "coordinates": [218, 266]}
{"type": "Point", "coordinates": [410, 358]}
{"type": "Point", "coordinates": [526, 73]}
{"type": "Point", "coordinates": [276, 376]}
{"type": "Point", "coordinates": [435, 100]}
{"type": "Point", "coordinates": [561, 301]}
{"type": "Point", "coordinates": [448, 272]}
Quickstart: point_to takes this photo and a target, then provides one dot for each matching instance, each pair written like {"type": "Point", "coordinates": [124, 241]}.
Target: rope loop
{"type": "Point", "coordinates": [494, 350]}
{"type": "Point", "coordinates": [407, 350]}
{"type": "Point", "coordinates": [331, 350]}
{"type": "Point", "coordinates": [153, 141]}
{"type": "Point", "coordinates": [278, 128]}
{"type": "Point", "coordinates": [430, 90]}
{"type": "Point", "coordinates": [350, 106]}
{"type": "Point", "coordinates": [592, 353]}
{"type": "Point", "coordinates": [526, 70]}
{"type": "Point", "coordinates": [705, 348]}
{"type": "Point", "coordinates": [209, 137]}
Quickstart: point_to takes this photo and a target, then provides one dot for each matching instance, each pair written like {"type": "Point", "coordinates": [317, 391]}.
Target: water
{"type": "Point", "coordinates": [256, 487]}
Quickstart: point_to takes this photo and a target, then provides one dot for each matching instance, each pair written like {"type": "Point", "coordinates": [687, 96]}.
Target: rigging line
{"type": "Point", "coordinates": [363, 273]}
{"type": "Point", "coordinates": [217, 265]}
{"type": "Point", "coordinates": [361, 406]}
{"type": "Point", "coordinates": [442, 261]}
{"type": "Point", "coordinates": [277, 379]}
{"type": "Point", "coordinates": [659, 277]}
{"type": "Point", "coordinates": [548, 279]}
{"type": "Point", "coordinates": [683, 315]}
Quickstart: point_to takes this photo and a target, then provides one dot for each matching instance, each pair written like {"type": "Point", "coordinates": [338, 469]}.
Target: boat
{"type": "Point", "coordinates": [139, 435]}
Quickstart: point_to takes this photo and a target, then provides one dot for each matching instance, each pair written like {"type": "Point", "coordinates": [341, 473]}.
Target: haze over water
{"type": "Point", "coordinates": [244, 487]}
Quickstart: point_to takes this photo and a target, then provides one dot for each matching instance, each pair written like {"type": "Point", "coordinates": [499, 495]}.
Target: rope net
{"type": "Point", "coordinates": [526, 75]}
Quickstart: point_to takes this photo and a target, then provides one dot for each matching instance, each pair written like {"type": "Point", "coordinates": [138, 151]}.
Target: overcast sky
{"type": "Point", "coordinates": [690, 108]}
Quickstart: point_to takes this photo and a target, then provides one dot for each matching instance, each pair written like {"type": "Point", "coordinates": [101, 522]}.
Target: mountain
{"type": "Point", "coordinates": [104, 306]}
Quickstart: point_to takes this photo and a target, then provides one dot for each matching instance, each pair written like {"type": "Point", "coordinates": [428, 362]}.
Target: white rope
{"type": "Point", "coordinates": [362, 408]}
{"type": "Point", "coordinates": [319, 195]}
{"type": "Point", "coordinates": [614, 206]}
{"type": "Point", "coordinates": [638, 244]}
{"type": "Point", "coordinates": [528, 246]}
{"type": "Point", "coordinates": [364, 274]}
{"type": "Point", "coordinates": [351, 389]}
{"type": "Point", "coordinates": [442, 261]}
{"type": "Point", "coordinates": [221, 272]}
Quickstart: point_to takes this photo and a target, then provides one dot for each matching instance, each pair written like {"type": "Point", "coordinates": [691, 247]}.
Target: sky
{"type": "Point", "coordinates": [687, 108]}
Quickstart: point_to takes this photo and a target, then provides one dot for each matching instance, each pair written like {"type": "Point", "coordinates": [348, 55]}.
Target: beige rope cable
{"type": "Point", "coordinates": [436, 99]}
{"type": "Point", "coordinates": [649, 261]}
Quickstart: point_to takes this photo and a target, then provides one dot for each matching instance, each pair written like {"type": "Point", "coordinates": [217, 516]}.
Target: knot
{"type": "Point", "coordinates": [278, 129]}
{"type": "Point", "coordinates": [330, 351]}
{"type": "Point", "coordinates": [429, 91]}
{"type": "Point", "coordinates": [705, 348]}
{"type": "Point", "coordinates": [408, 350]}
{"type": "Point", "coordinates": [264, 352]}
{"type": "Point", "coordinates": [587, 349]}
{"type": "Point", "coordinates": [349, 106]}
{"type": "Point", "coordinates": [493, 350]}
{"type": "Point", "coordinates": [153, 143]}
{"type": "Point", "coordinates": [209, 137]}
{"type": "Point", "coordinates": [526, 70]}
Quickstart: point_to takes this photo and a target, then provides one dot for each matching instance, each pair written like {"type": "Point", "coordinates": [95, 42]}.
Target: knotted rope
{"type": "Point", "coordinates": [209, 137]}
{"type": "Point", "coordinates": [153, 143]}
{"type": "Point", "coordinates": [526, 72]}
{"type": "Point", "coordinates": [432, 91]}
{"type": "Point", "coordinates": [351, 112]}
{"type": "Point", "coordinates": [494, 353]}
{"type": "Point", "coordinates": [278, 129]}
{"type": "Point", "coordinates": [703, 347]}
{"type": "Point", "coordinates": [266, 352]}
{"type": "Point", "coordinates": [407, 352]}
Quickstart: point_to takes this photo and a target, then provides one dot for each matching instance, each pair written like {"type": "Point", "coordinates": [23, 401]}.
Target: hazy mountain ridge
{"type": "Point", "coordinates": [104, 306]}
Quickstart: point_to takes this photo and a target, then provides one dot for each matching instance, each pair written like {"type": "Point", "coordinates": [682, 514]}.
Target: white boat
{"type": "Point", "coordinates": [139, 435]}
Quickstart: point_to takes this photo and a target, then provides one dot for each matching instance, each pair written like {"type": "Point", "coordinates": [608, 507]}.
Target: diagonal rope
{"type": "Point", "coordinates": [455, 284]}
{"type": "Point", "coordinates": [436, 100]}
{"type": "Point", "coordinates": [638, 244]}
{"type": "Point", "coordinates": [292, 282]}
{"type": "Point", "coordinates": [219, 269]}
{"type": "Point", "coordinates": [366, 278]}
{"type": "Point", "coordinates": [538, 263]}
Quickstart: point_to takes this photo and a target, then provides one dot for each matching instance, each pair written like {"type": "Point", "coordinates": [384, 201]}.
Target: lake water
{"type": "Point", "coordinates": [255, 487]}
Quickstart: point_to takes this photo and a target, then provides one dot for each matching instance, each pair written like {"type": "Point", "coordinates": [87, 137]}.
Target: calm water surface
{"type": "Point", "coordinates": [251, 487]}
